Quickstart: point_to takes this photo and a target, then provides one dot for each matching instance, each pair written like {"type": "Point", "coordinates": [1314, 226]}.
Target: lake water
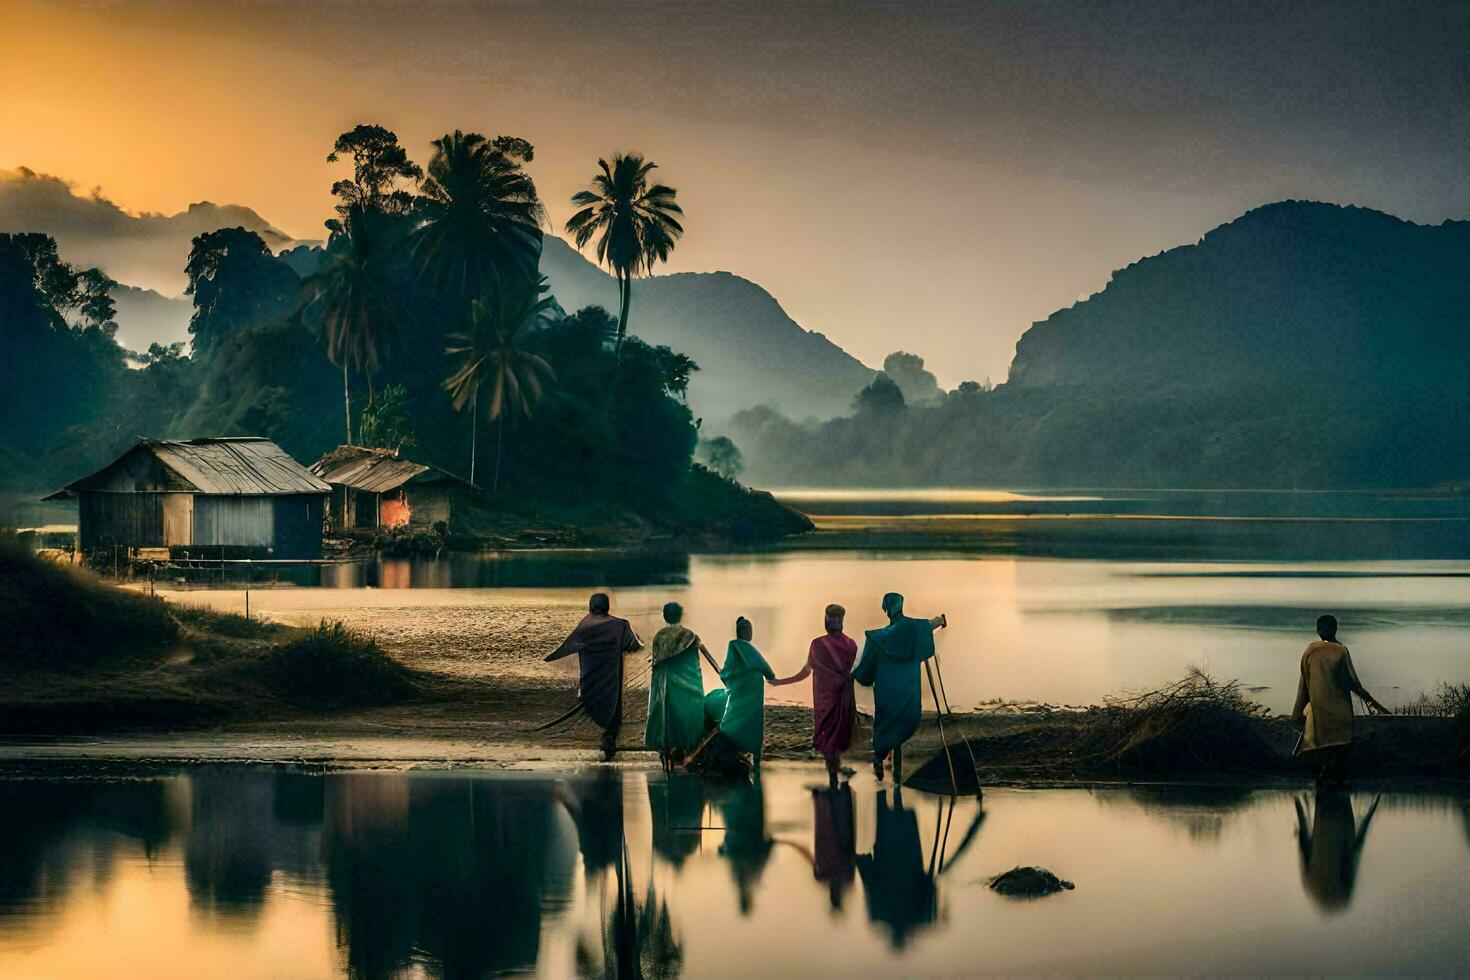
{"type": "Point", "coordinates": [266, 872]}
{"type": "Point", "coordinates": [1061, 598]}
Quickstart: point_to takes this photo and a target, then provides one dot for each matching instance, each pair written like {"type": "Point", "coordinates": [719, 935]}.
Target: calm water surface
{"type": "Point", "coordinates": [242, 871]}
{"type": "Point", "coordinates": [1061, 598]}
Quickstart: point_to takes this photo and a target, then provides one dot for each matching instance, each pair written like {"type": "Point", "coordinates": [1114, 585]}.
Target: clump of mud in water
{"type": "Point", "coordinates": [1028, 883]}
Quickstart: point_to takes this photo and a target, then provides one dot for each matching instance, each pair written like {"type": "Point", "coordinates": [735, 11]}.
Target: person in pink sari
{"type": "Point", "coordinates": [829, 664]}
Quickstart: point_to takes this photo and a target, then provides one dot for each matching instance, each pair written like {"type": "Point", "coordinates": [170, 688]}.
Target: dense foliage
{"type": "Point", "coordinates": [66, 381]}
{"type": "Point", "coordinates": [412, 320]}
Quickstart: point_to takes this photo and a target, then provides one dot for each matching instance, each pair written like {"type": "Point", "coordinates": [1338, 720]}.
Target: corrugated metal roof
{"type": "Point", "coordinates": [373, 470]}
{"type": "Point", "coordinates": [243, 465]}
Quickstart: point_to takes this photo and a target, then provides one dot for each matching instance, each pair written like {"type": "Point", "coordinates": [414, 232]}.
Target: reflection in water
{"type": "Point", "coordinates": [638, 936]}
{"type": "Point", "coordinates": [44, 826]}
{"type": "Point", "coordinates": [263, 872]}
{"type": "Point", "coordinates": [902, 887]}
{"type": "Point", "coordinates": [1331, 847]}
{"type": "Point", "coordinates": [834, 830]}
{"type": "Point", "coordinates": [507, 570]}
{"type": "Point", "coordinates": [1202, 811]}
{"type": "Point", "coordinates": [677, 805]}
{"type": "Point", "coordinates": [747, 846]}
{"type": "Point", "coordinates": [901, 890]}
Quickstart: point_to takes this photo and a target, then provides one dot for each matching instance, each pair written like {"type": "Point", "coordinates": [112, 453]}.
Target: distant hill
{"type": "Point", "coordinates": [1301, 345]}
{"type": "Point", "coordinates": [146, 317]}
{"type": "Point", "coordinates": [1290, 293]}
{"type": "Point", "coordinates": [748, 350]}
{"type": "Point", "coordinates": [146, 250]}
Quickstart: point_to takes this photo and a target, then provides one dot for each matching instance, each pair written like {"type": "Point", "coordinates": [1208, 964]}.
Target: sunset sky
{"type": "Point", "coordinates": [932, 177]}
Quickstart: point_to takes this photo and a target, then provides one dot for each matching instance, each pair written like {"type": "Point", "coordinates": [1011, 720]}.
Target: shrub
{"type": "Point", "coordinates": [331, 666]}
{"type": "Point", "coordinates": [230, 625]}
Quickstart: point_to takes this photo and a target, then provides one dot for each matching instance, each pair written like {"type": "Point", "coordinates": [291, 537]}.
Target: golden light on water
{"type": "Point", "coordinates": [935, 495]}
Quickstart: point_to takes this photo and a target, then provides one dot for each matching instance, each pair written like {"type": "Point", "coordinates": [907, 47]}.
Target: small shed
{"type": "Point", "coordinates": [237, 497]}
{"type": "Point", "coordinates": [377, 488]}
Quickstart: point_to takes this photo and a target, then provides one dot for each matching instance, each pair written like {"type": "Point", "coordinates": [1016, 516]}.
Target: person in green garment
{"type": "Point", "coordinates": [890, 664]}
{"type": "Point", "coordinates": [676, 689]}
{"type": "Point", "coordinates": [745, 674]}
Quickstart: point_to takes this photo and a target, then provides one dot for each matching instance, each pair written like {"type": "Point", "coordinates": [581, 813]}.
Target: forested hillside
{"type": "Point", "coordinates": [1301, 345]}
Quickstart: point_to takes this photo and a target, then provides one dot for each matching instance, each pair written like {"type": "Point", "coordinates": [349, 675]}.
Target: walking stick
{"type": "Point", "coordinates": [974, 765]}
{"type": "Point", "coordinates": [954, 785]}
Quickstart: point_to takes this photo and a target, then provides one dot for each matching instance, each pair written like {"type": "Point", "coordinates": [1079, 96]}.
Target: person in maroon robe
{"type": "Point", "coordinates": [600, 640]}
{"type": "Point", "coordinates": [834, 709]}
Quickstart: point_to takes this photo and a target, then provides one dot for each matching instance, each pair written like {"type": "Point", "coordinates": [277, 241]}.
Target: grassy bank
{"type": "Point", "coordinates": [83, 656]}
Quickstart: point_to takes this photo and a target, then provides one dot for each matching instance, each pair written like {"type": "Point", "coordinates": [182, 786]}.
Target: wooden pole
{"type": "Point", "coordinates": [939, 672]}
{"type": "Point", "coordinates": [954, 784]}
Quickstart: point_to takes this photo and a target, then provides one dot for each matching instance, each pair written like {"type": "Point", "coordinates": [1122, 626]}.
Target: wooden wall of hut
{"type": "Point", "coordinates": [430, 503]}
{"type": "Point", "coordinates": [128, 520]}
{"type": "Point", "coordinates": [298, 526]}
{"type": "Point", "coordinates": [248, 522]}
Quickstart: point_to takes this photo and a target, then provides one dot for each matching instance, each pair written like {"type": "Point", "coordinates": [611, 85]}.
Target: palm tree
{"type": "Point", "coordinates": [492, 352]}
{"type": "Point", "coordinates": [356, 301]}
{"type": "Point", "coordinates": [636, 223]}
{"type": "Point", "coordinates": [484, 225]}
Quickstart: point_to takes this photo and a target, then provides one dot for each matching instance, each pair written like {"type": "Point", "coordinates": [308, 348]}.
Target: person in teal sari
{"type": "Point", "coordinates": [745, 675]}
{"type": "Point", "coordinates": [675, 689]}
{"type": "Point", "coordinates": [890, 664]}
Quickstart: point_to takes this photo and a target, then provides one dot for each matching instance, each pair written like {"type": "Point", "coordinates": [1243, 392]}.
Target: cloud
{"type": "Point", "coordinates": [147, 249]}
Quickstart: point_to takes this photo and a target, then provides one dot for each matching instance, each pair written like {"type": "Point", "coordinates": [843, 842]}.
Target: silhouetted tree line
{"type": "Point", "coordinates": [427, 288]}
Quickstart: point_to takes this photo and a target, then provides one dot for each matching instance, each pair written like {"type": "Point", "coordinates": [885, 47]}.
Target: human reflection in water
{"type": "Point", "coordinates": [835, 840]}
{"type": "Point", "coordinates": [1331, 847]}
{"type": "Point", "coordinates": [595, 803]}
{"type": "Point", "coordinates": [901, 889]}
{"type": "Point", "coordinates": [638, 937]}
{"type": "Point", "coordinates": [747, 846]}
{"type": "Point", "coordinates": [677, 804]}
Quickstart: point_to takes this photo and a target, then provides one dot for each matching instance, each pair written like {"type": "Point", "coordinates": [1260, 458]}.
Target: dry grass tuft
{"type": "Point", "coordinates": [1194, 726]}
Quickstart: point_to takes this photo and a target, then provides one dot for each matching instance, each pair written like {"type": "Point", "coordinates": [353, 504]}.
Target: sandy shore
{"type": "Point", "coordinates": [485, 691]}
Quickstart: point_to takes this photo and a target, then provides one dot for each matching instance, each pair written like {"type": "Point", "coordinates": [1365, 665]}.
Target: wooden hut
{"type": "Point", "coordinates": [377, 488]}
{"type": "Point", "coordinates": [206, 498]}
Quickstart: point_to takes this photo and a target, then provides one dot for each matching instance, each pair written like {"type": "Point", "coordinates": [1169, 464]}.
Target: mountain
{"type": "Point", "coordinates": [748, 350]}
{"type": "Point", "coordinates": [1290, 293]}
{"type": "Point", "coordinates": [1301, 345]}
{"type": "Point", "coordinates": [145, 317]}
{"type": "Point", "coordinates": [146, 250]}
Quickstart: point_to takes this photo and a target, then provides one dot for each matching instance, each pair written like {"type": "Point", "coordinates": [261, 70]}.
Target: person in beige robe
{"type": "Point", "coordinates": [1324, 698]}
